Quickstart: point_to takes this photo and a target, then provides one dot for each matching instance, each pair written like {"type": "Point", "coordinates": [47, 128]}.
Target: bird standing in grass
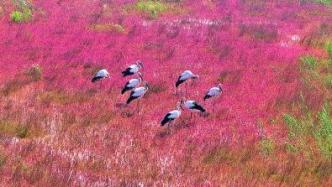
{"type": "Point", "coordinates": [137, 93]}
{"type": "Point", "coordinates": [192, 106]}
{"type": "Point", "coordinates": [132, 83]}
{"type": "Point", "coordinates": [172, 115]}
{"type": "Point", "coordinates": [186, 75]}
{"type": "Point", "coordinates": [100, 75]}
{"type": "Point", "coordinates": [213, 93]}
{"type": "Point", "coordinates": [133, 69]}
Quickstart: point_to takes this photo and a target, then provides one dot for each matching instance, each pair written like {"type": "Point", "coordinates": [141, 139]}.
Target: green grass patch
{"type": "Point", "coordinates": [152, 8]}
{"type": "Point", "coordinates": [22, 12]}
{"type": "Point", "coordinates": [302, 130]}
{"type": "Point", "coordinates": [290, 148]}
{"type": "Point", "coordinates": [308, 62]}
{"type": "Point", "coordinates": [328, 81]}
{"type": "Point", "coordinates": [310, 131]}
{"type": "Point", "coordinates": [324, 133]}
{"type": "Point", "coordinates": [313, 72]}
{"type": "Point", "coordinates": [16, 16]}
{"type": "Point", "coordinates": [328, 47]}
{"type": "Point", "coordinates": [295, 127]}
{"type": "Point", "coordinates": [299, 134]}
{"type": "Point", "coordinates": [267, 146]}
{"type": "Point", "coordinates": [20, 16]}
{"type": "Point", "coordinates": [326, 2]}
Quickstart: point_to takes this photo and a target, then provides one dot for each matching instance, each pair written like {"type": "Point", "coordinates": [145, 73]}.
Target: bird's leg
{"type": "Point", "coordinates": [168, 126]}
{"type": "Point", "coordinates": [214, 105]}
{"type": "Point", "coordinates": [194, 118]}
{"type": "Point", "coordinates": [186, 89]}
{"type": "Point", "coordinates": [214, 113]}
{"type": "Point", "coordinates": [137, 107]}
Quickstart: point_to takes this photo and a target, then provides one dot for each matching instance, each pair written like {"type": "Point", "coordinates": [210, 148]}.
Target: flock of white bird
{"type": "Point", "coordinates": [138, 92]}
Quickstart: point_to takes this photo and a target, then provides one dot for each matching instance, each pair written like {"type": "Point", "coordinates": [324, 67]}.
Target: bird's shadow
{"type": "Point", "coordinates": [121, 105]}
{"type": "Point", "coordinates": [204, 114]}
{"type": "Point", "coordinates": [124, 110]}
{"type": "Point", "coordinates": [163, 133]}
{"type": "Point", "coordinates": [168, 131]}
{"type": "Point", "coordinates": [182, 125]}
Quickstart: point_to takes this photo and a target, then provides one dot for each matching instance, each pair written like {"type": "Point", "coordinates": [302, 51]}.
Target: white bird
{"type": "Point", "coordinates": [132, 83]}
{"type": "Point", "coordinates": [138, 93]}
{"type": "Point", "coordinates": [213, 92]}
{"type": "Point", "coordinates": [172, 115]}
{"type": "Point", "coordinates": [101, 74]}
{"type": "Point", "coordinates": [192, 105]}
{"type": "Point", "coordinates": [185, 76]}
{"type": "Point", "coordinates": [133, 69]}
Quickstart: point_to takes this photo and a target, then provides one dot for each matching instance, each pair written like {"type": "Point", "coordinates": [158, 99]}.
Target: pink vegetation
{"type": "Point", "coordinates": [84, 136]}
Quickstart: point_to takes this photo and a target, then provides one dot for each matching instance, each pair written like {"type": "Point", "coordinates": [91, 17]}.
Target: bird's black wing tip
{"type": "Point", "coordinates": [206, 97]}
{"type": "Point", "coordinates": [124, 90]}
{"type": "Point", "coordinates": [126, 72]}
{"type": "Point", "coordinates": [177, 84]}
{"type": "Point", "coordinates": [165, 120]}
{"type": "Point", "coordinates": [94, 79]}
{"type": "Point", "coordinates": [130, 99]}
